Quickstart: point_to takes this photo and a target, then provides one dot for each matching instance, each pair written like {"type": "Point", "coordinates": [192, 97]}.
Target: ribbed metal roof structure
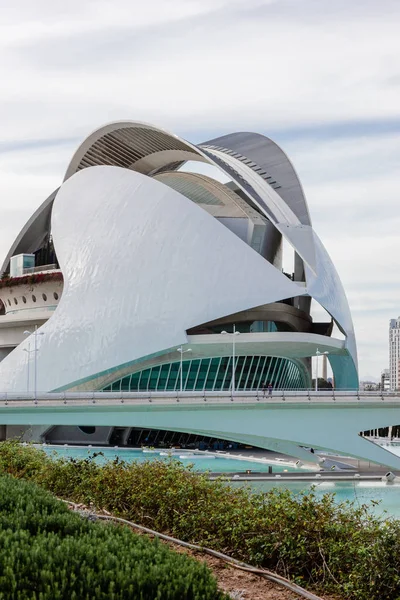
{"type": "Point", "coordinates": [270, 162]}
{"type": "Point", "coordinates": [135, 146]}
{"type": "Point", "coordinates": [215, 197]}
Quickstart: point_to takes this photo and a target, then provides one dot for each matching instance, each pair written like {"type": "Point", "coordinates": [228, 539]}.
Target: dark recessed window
{"type": "Point", "coordinates": [55, 296]}
{"type": "Point", "coordinates": [44, 297]}
{"type": "Point", "coordinates": [9, 302]}
{"type": "Point", "coordinates": [33, 298]}
{"type": "Point", "coordinates": [87, 429]}
{"type": "Point", "coordinates": [24, 299]}
{"type": "Point", "coordinates": [15, 301]}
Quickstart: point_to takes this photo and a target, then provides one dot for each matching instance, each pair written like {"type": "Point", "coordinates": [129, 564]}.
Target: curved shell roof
{"type": "Point", "coordinates": [270, 162]}
{"type": "Point", "coordinates": [215, 197]}
{"type": "Point", "coordinates": [132, 145]}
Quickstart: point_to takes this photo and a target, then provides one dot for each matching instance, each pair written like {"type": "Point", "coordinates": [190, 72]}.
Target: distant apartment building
{"type": "Point", "coordinates": [394, 353]}
{"type": "Point", "coordinates": [385, 380]}
{"type": "Point", "coordinates": [369, 386]}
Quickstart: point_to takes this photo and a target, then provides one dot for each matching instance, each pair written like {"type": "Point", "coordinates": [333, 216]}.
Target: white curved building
{"type": "Point", "coordinates": [149, 258]}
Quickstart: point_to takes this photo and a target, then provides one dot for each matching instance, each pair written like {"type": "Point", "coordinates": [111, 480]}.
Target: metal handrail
{"type": "Point", "coordinates": [285, 396]}
{"type": "Point", "coordinates": [39, 269]}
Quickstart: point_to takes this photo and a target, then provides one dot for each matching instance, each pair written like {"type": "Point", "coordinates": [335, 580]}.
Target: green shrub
{"type": "Point", "coordinates": [22, 460]}
{"type": "Point", "coordinates": [49, 553]}
{"type": "Point", "coordinates": [342, 549]}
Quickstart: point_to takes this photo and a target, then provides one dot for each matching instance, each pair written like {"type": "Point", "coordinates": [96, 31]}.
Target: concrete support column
{"type": "Point", "coordinates": [126, 435]}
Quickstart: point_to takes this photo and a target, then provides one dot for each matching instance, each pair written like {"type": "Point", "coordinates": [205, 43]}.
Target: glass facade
{"type": "Point", "coordinates": [242, 327]}
{"type": "Point", "coordinates": [215, 374]}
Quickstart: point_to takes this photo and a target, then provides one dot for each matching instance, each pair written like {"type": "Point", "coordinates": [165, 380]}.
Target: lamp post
{"type": "Point", "coordinates": [182, 352]}
{"type": "Point", "coordinates": [233, 334]}
{"type": "Point", "coordinates": [35, 334]}
{"type": "Point", "coordinates": [28, 361]}
{"type": "Point", "coordinates": [317, 354]}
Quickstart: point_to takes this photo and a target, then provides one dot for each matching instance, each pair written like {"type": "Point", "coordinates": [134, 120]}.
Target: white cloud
{"type": "Point", "coordinates": [195, 65]}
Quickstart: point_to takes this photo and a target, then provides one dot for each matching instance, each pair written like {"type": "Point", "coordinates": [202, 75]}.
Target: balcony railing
{"type": "Point", "coordinates": [39, 269]}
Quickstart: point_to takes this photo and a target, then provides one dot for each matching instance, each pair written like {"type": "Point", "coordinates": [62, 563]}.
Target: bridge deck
{"type": "Point", "coordinates": [285, 422]}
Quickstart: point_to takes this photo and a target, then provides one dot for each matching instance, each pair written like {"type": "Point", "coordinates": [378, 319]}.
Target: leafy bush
{"type": "Point", "coordinates": [333, 548]}
{"type": "Point", "coordinates": [49, 553]}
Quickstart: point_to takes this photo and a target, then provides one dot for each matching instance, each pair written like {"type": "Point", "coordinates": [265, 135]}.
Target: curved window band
{"type": "Point", "coordinates": [215, 374]}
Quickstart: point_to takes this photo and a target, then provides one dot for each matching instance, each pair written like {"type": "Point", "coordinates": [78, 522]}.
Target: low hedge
{"type": "Point", "coordinates": [48, 552]}
{"type": "Point", "coordinates": [31, 279]}
{"type": "Point", "coordinates": [342, 549]}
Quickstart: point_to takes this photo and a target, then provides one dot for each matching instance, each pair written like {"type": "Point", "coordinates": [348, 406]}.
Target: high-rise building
{"type": "Point", "coordinates": [394, 353]}
{"type": "Point", "coordinates": [385, 380]}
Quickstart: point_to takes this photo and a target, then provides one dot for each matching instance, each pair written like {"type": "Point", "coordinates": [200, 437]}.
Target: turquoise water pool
{"type": "Point", "coordinates": [360, 492]}
{"type": "Point", "coordinates": [201, 462]}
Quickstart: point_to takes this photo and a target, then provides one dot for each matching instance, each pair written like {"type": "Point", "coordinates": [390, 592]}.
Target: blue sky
{"type": "Point", "coordinates": [321, 77]}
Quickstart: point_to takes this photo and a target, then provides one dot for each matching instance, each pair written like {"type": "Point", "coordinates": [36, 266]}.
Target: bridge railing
{"type": "Point", "coordinates": [278, 396]}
